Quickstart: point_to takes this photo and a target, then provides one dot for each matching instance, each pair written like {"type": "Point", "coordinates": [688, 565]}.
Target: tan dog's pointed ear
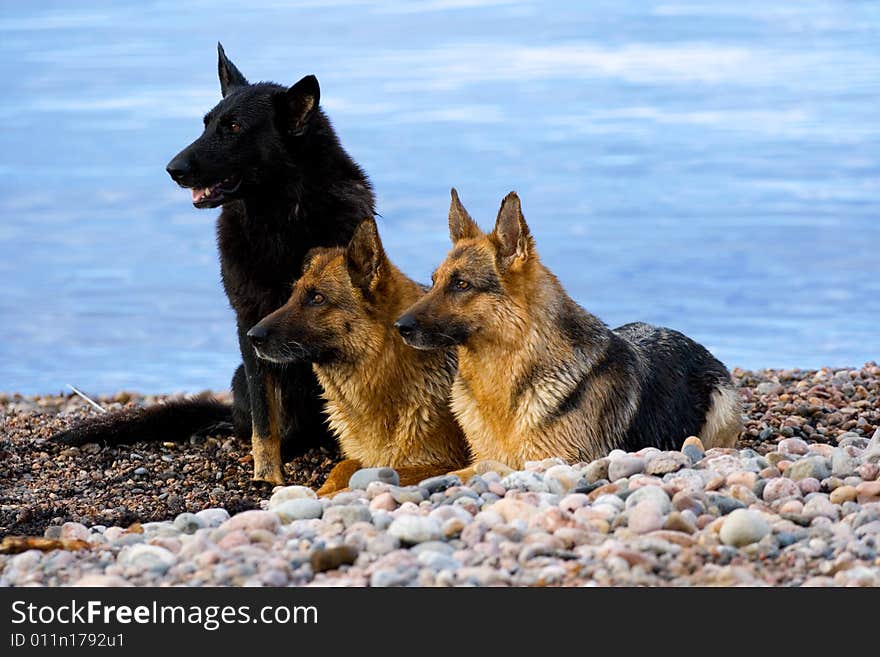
{"type": "Point", "coordinates": [461, 226]}
{"type": "Point", "coordinates": [364, 255]}
{"type": "Point", "coordinates": [511, 234]}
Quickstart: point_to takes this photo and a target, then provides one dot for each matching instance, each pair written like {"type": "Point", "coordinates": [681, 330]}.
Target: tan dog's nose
{"type": "Point", "coordinates": [406, 325]}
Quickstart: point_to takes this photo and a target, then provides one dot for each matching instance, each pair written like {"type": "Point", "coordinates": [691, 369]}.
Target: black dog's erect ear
{"type": "Point", "coordinates": [364, 255]}
{"type": "Point", "coordinates": [302, 104]}
{"type": "Point", "coordinates": [229, 75]}
{"type": "Point", "coordinates": [461, 226]}
{"type": "Point", "coordinates": [511, 233]}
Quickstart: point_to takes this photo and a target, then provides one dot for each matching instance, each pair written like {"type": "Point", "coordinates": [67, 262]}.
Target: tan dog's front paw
{"type": "Point", "coordinates": [337, 480]}
{"type": "Point", "coordinates": [266, 451]}
{"type": "Point", "coordinates": [482, 467]}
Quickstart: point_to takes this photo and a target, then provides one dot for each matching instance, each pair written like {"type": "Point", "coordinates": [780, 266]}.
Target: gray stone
{"type": "Point", "coordinates": [299, 509]}
{"type": "Point", "coordinates": [128, 538]}
{"type": "Point", "coordinates": [441, 483]}
{"type": "Point", "coordinates": [811, 466]}
{"type": "Point", "coordinates": [693, 452]}
{"type": "Point", "coordinates": [648, 493]}
{"type": "Point", "coordinates": [415, 529]}
{"type": "Point", "coordinates": [348, 514]}
{"type": "Point", "coordinates": [842, 464]}
{"type": "Point", "coordinates": [818, 505]}
{"type": "Point", "coordinates": [347, 497]}
{"type": "Point", "coordinates": [478, 485]}
{"type": "Point", "coordinates": [667, 462]}
{"type": "Point", "coordinates": [723, 503]}
{"type": "Point", "coordinates": [433, 546]}
{"type": "Point", "coordinates": [437, 560]}
{"type": "Point", "coordinates": [743, 527]}
{"type": "Point", "coordinates": [382, 544]}
{"type": "Point", "coordinates": [625, 466]}
{"type": "Point", "coordinates": [284, 493]}
{"type": "Point", "coordinates": [53, 531]}
{"type": "Point", "coordinates": [394, 577]}
{"type": "Point", "coordinates": [213, 517]}
{"type": "Point", "coordinates": [382, 520]}
{"type": "Point", "coordinates": [188, 523]}
{"type": "Point", "coordinates": [363, 477]}
{"type": "Point", "coordinates": [872, 451]}
{"type": "Point", "coordinates": [846, 436]}
{"type": "Point", "coordinates": [147, 557]}
{"type": "Point", "coordinates": [403, 494]}
{"type": "Point", "coordinates": [596, 470]}
{"type": "Point", "coordinates": [525, 480]}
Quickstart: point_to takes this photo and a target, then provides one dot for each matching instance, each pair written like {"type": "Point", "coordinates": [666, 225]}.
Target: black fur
{"type": "Point", "coordinates": [178, 418]}
{"type": "Point", "coordinates": [270, 156]}
{"type": "Point", "coordinates": [675, 376]}
{"type": "Point", "coordinates": [668, 361]}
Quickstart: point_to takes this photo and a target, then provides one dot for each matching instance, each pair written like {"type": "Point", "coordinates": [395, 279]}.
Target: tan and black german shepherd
{"type": "Point", "coordinates": [387, 404]}
{"type": "Point", "coordinates": [538, 376]}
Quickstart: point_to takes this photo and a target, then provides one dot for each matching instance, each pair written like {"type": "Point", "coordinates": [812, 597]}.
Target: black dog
{"type": "Point", "coordinates": [270, 157]}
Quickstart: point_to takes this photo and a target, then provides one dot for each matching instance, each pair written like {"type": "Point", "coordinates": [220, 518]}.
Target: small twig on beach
{"type": "Point", "coordinates": [91, 401]}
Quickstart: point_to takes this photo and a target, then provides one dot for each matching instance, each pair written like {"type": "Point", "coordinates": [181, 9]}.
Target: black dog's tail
{"type": "Point", "coordinates": [172, 421]}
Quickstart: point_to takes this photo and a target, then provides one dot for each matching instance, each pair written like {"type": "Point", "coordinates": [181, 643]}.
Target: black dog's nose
{"type": "Point", "coordinates": [406, 325]}
{"type": "Point", "coordinates": [178, 169]}
{"type": "Point", "coordinates": [258, 334]}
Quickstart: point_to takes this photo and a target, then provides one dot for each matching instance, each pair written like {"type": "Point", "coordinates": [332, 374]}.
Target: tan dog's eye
{"type": "Point", "coordinates": [462, 285]}
{"type": "Point", "coordinates": [317, 299]}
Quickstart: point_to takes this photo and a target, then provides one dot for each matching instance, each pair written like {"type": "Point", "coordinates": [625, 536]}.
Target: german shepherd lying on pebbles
{"type": "Point", "coordinates": [387, 404]}
{"type": "Point", "coordinates": [270, 157]}
{"type": "Point", "coordinates": [538, 376]}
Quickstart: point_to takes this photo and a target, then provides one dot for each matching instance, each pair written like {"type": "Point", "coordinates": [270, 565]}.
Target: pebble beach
{"type": "Point", "coordinates": [796, 503]}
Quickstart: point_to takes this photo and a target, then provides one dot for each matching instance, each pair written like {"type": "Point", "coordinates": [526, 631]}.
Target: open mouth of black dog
{"type": "Point", "coordinates": [216, 194]}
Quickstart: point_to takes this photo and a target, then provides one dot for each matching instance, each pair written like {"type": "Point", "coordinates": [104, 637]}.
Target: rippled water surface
{"type": "Point", "coordinates": [714, 167]}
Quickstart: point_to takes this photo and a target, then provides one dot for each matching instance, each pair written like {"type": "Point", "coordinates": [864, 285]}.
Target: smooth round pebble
{"type": "Point", "coordinates": [413, 529]}
{"type": "Point", "coordinates": [743, 527]}
{"type": "Point", "coordinates": [299, 509]}
{"type": "Point", "coordinates": [365, 476]}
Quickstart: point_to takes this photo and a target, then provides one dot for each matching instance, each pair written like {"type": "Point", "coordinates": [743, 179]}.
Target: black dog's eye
{"type": "Point", "coordinates": [461, 285]}
{"type": "Point", "coordinates": [316, 299]}
{"type": "Point", "coordinates": [234, 127]}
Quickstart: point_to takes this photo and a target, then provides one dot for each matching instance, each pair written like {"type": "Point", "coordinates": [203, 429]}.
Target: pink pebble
{"type": "Point", "coordinates": [742, 478]}
{"type": "Point", "coordinates": [792, 446]}
{"type": "Point", "coordinates": [646, 516]}
{"type": "Point", "coordinates": [809, 485]}
{"type": "Point", "coordinates": [574, 501]}
{"type": "Point", "coordinates": [822, 449]}
{"type": "Point", "coordinates": [869, 491]}
{"type": "Point", "coordinates": [792, 506]}
{"type": "Point", "coordinates": [780, 488]}
{"type": "Point", "coordinates": [868, 471]}
{"type": "Point", "coordinates": [383, 502]}
{"type": "Point", "coordinates": [233, 539]}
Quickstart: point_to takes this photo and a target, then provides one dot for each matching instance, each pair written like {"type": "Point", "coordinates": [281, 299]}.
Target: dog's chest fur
{"type": "Point", "coordinates": [259, 259]}
{"type": "Point", "coordinates": [393, 409]}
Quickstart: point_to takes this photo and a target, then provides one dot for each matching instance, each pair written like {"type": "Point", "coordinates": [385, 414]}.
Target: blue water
{"type": "Point", "coordinates": [709, 166]}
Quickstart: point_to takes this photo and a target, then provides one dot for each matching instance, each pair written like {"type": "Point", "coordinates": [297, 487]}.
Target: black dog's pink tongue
{"type": "Point", "coordinates": [198, 194]}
